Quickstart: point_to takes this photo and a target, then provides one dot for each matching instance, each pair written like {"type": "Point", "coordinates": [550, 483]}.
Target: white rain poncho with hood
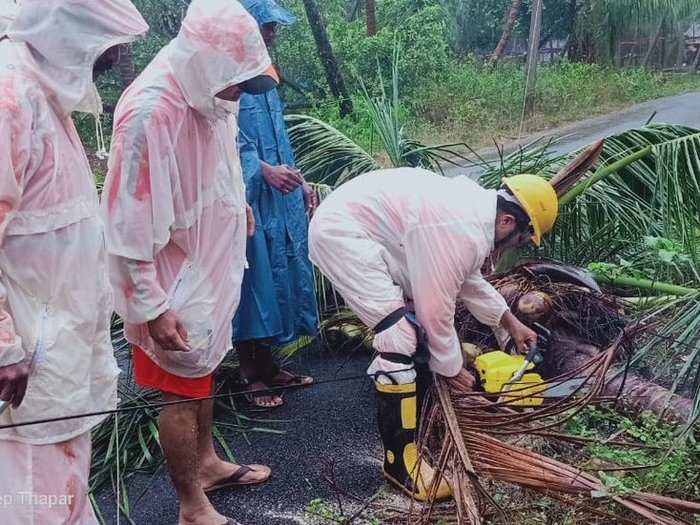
{"type": "Point", "coordinates": [55, 298]}
{"type": "Point", "coordinates": [406, 233]}
{"type": "Point", "coordinates": [174, 200]}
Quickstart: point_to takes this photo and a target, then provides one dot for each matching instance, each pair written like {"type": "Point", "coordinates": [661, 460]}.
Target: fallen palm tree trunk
{"type": "Point", "coordinates": [568, 301]}
{"type": "Point", "coordinates": [479, 455]}
{"type": "Point", "coordinates": [634, 394]}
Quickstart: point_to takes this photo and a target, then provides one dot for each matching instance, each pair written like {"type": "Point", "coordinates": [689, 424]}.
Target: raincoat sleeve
{"type": "Point", "coordinates": [140, 214]}
{"type": "Point", "coordinates": [15, 133]}
{"type": "Point", "coordinates": [251, 165]}
{"type": "Point", "coordinates": [483, 300]}
{"type": "Point", "coordinates": [439, 258]}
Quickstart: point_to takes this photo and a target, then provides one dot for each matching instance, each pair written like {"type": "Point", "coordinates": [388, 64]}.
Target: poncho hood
{"type": "Point", "coordinates": [269, 12]}
{"type": "Point", "coordinates": [219, 45]}
{"type": "Point", "coordinates": [64, 38]}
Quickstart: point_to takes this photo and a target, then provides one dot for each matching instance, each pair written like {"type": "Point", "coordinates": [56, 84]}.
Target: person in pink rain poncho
{"type": "Point", "coordinates": [55, 301]}
{"type": "Point", "coordinates": [176, 221]}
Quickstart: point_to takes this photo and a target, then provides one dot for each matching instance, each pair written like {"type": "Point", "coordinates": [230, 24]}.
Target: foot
{"type": "Point", "coordinates": [217, 472]}
{"type": "Point", "coordinates": [262, 397]}
{"type": "Point", "coordinates": [204, 514]}
{"type": "Point", "coordinates": [287, 378]}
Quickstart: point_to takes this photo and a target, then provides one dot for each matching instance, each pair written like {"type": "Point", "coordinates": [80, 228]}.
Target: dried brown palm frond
{"type": "Point", "coordinates": [574, 171]}
{"type": "Point", "coordinates": [474, 439]}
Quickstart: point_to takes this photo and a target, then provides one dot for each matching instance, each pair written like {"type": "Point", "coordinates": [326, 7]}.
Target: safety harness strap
{"type": "Point", "coordinates": [400, 359]}
{"type": "Point", "coordinates": [390, 320]}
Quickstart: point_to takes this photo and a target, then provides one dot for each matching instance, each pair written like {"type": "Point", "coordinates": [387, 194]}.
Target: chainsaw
{"type": "Point", "coordinates": [515, 377]}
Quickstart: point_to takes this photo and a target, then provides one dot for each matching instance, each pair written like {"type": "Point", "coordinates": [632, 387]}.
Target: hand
{"type": "Point", "coordinates": [463, 382]}
{"type": "Point", "coordinates": [250, 221]}
{"type": "Point", "coordinates": [282, 178]}
{"type": "Point", "coordinates": [522, 336]}
{"type": "Point", "coordinates": [169, 332]}
{"type": "Point", "coordinates": [13, 382]}
{"type": "Point", "coordinates": [310, 199]}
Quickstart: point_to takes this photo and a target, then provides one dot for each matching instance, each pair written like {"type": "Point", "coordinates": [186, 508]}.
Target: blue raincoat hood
{"type": "Point", "coordinates": [269, 11]}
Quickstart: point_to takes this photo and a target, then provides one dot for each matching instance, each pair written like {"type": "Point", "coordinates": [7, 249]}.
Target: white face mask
{"type": "Point", "coordinates": [92, 102]}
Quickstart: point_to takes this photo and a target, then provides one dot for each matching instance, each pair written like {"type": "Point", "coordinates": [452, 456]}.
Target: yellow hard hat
{"type": "Point", "coordinates": [539, 200]}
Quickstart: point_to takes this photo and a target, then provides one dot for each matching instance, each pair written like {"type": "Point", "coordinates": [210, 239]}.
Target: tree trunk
{"type": "Point", "coordinates": [127, 70]}
{"type": "Point", "coordinates": [634, 394]}
{"type": "Point", "coordinates": [511, 19]}
{"type": "Point", "coordinates": [371, 17]}
{"type": "Point", "coordinates": [654, 43]}
{"type": "Point", "coordinates": [325, 53]}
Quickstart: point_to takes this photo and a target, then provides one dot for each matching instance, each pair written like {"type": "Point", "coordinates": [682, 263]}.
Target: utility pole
{"type": "Point", "coordinates": [533, 53]}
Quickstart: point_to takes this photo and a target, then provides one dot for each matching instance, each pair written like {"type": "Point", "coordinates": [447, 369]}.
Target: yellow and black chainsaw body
{"type": "Point", "coordinates": [496, 370]}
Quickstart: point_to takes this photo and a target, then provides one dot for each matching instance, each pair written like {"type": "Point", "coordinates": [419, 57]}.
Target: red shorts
{"type": "Point", "coordinates": [148, 374]}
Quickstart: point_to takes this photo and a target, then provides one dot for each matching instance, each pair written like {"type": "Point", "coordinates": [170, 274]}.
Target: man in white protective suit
{"type": "Point", "coordinates": [175, 218]}
{"type": "Point", "coordinates": [56, 357]}
{"type": "Point", "coordinates": [402, 246]}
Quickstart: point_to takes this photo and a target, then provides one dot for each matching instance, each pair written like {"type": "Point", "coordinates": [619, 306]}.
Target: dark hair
{"type": "Point", "coordinates": [521, 218]}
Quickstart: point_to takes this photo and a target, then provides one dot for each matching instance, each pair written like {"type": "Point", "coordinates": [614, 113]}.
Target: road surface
{"type": "Point", "coordinates": [329, 425]}
{"type": "Point", "coordinates": [680, 110]}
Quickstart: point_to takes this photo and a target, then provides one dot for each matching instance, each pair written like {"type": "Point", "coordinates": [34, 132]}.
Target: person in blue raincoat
{"type": "Point", "coordinates": [278, 303]}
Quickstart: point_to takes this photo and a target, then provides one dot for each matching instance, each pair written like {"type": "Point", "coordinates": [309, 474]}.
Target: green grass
{"type": "Point", "coordinates": [474, 103]}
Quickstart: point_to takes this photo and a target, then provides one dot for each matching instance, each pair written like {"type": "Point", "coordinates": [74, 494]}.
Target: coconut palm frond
{"type": "Point", "coordinates": [655, 195]}
{"type": "Point", "coordinates": [536, 157]}
{"type": "Point", "coordinates": [619, 11]}
{"type": "Point", "coordinates": [324, 154]}
{"type": "Point", "coordinates": [677, 189]}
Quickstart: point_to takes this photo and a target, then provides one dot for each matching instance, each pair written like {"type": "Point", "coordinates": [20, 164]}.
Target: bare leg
{"type": "Point", "coordinates": [212, 469]}
{"type": "Point", "coordinates": [179, 434]}
{"type": "Point", "coordinates": [253, 362]}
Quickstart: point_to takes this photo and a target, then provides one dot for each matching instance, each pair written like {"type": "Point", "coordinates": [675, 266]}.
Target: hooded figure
{"type": "Point", "coordinates": [175, 218]}
{"type": "Point", "coordinates": [402, 246]}
{"type": "Point", "coordinates": [278, 302]}
{"type": "Point", "coordinates": [55, 298]}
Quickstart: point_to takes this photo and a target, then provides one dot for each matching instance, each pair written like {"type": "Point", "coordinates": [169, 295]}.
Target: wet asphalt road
{"type": "Point", "coordinates": [326, 424]}
{"type": "Point", "coordinates": [680, 110]}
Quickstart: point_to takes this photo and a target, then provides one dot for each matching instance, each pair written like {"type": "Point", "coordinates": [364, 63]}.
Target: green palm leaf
{"type": "Point", "coordinates": [324, 154]}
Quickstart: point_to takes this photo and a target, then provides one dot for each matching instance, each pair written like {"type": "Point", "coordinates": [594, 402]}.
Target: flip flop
{"type": "Point", "coordinates": [291, 379]}
{"type": "Point", "coordinates": [251, 397]}
{"type": "Point", "coordinates": [234, 480]}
